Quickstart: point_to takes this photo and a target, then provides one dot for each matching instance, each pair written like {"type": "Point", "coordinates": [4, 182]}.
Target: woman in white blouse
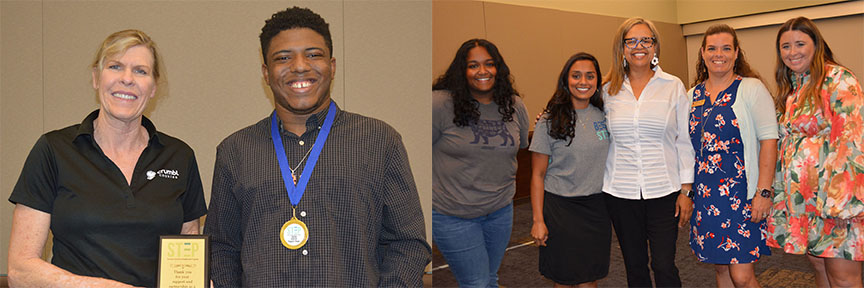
{"type": "Point", "coordinates": [650, 159]}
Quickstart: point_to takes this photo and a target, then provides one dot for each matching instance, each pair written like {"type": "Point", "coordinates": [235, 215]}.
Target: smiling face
{"type": "Point", "coordinates": [796, 50]}
{"type": "Point", "coordinates": [582, 81]}
{"type": "Point", "coordinates": [639, 56]}
{"type": "Point", "coordinates": [125, 84]}
{"type": "Point", "coordinates": [719, 53]}
{"type": "Point", "coordinates": [299, 70]}
{"type": "Point", "coordinates": [480, 72]}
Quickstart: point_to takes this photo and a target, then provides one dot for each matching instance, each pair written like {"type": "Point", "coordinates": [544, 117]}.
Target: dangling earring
{"type": "Point", "coordinates": [623, 59]}
{"type": "Point", "coordinates": [655, 61]}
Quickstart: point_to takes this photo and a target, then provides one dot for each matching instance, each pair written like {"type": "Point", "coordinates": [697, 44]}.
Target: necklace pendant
{"type": "Point", "coordinates": [294, 177]}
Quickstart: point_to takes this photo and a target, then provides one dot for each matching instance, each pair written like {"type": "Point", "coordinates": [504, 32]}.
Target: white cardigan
{"type": "Point", "coordinates": [757, 120]}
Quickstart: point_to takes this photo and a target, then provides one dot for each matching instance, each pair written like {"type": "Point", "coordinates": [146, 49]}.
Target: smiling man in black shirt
{"type": "Point", "coordinates": [313, 195]}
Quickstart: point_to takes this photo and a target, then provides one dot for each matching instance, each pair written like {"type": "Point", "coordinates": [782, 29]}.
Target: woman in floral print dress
{"type": "Point", "coordinates": [820, 181]}
{"type": "Point", "coordinates": [734, 133]}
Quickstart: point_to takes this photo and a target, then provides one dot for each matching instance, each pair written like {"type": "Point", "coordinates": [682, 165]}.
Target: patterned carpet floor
{"type": "Point", "coordinates": [519, 267]}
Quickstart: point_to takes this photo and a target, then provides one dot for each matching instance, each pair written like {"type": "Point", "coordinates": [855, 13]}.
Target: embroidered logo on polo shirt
{"type": "Point", "coordinates": [164, 173]}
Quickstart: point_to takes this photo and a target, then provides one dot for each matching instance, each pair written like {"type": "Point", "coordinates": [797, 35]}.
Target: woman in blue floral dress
{"type": "Point", "coordinates": [734, 134]}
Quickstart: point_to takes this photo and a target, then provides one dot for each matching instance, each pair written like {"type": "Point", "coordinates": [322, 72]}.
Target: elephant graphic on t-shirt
{"type": "Point", "coordinates": [491, 128]}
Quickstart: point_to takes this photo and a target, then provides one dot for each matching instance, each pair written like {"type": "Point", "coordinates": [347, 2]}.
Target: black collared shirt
{"type": "Point", "coordinates": [102, 226]}
{"type": "Point", "coordinates": [361, 206]}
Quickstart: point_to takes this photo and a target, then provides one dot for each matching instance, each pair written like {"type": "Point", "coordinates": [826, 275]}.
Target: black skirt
{"type": "Point", "coordinates": [580, 234]}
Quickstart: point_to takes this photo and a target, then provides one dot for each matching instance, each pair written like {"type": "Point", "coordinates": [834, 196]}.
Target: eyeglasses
{"type": "Point", "coordinates": [647, 42]}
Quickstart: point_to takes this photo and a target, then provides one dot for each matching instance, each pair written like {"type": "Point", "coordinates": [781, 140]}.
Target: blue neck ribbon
{"type": "Point", "coordinates": [296, 192]}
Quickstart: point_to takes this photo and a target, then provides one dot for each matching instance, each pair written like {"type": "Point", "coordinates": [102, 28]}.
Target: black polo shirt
{"type": "Point", "coordinates": [102, 226]}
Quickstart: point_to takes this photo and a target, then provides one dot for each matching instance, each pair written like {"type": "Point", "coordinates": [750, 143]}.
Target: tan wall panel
{"type": "Point", "coordinates": [21, 114]}
{"type": "Point", "coordinates": [690, 11]}
{"type": "Point", "coordinates": [397, 91]}
{"type": "Point", "coordinates": [454, 22]}
{"type": "Point", "coordinates": [673, 49]}
{"type": "Point", "coordinates": [669, 11]}
{"type": "Point", "coordinates": [826, 11]}
{"type": "Point", "coordinates": [534, 55]}
{"type": "Point", "coordinates": [845, 35]}
{"type": "Point", "coordinates": [656, 10]}
{"type": "Point", "coordinates": [212, 82]}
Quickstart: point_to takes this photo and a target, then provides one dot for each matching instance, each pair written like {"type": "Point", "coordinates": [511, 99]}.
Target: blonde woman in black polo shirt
{"type": "Point", "coordinates": [108, 187]}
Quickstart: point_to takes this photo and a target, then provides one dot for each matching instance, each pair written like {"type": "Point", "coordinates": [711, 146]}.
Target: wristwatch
{"type": "Point", "coordinates": [690, 194]}
{"type": "Point", "coordinates": [766, 193]}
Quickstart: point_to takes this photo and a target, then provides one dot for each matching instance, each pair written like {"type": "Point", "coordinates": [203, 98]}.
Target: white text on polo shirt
{"type": "Point", "coordinates": [164, 173]}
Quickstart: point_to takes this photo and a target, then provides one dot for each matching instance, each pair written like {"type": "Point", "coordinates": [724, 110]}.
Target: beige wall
{"type": "Point", "coordinates": [670, 11]}
{"type": "Point", "coordinates": [212, 70]}
{"type": "Point", "coordinates": [845, 35]}
{"type": "Point", "coordinates": [656, 10]}
{"type": "Point", "coordinates": [690, 11]}
{"type": "Point", "coordinates": [537, 45]}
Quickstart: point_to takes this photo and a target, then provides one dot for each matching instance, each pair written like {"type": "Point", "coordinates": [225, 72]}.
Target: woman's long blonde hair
{"type": "Point", "coordinates": [618, 72]}
{"type": "Point", "coordinates": [821, 55]}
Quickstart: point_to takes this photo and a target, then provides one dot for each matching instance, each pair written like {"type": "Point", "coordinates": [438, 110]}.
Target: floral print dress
{"type": "Point", "coordinates": [820, 171]}
{"type": "Point", "coordinates": [720, 229]}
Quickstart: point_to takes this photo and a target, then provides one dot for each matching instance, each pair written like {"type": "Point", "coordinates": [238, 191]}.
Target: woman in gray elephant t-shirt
{"type": "Point", "coordinates": [478, 124]}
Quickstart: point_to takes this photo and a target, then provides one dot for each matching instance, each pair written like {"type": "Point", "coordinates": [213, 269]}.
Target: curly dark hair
{"type": "Point", "coordinates": [294, 17]}
{"type": "Point", "coordinates": [465, 108]}
{"type": "Point", "coordinates": [561, 116]}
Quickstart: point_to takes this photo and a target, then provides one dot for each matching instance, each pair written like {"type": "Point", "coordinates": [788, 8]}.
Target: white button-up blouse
{"type": "Point", "coordinates": [650, 155]}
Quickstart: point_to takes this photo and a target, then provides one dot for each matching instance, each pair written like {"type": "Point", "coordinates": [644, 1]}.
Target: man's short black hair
{"type": "Point", "coordinates": [294, 17]}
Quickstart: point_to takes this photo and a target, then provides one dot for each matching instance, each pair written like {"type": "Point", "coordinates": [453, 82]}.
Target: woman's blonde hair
{"type": "Point", "coordinates": [120, 41]}
{"type": "Point", "coordinates": [821, 55]}
{"type": "Point", "coordinates": [618, 72]}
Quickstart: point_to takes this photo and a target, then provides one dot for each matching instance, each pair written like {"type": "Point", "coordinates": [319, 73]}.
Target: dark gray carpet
{"type": "Point", "coordinates": [519, 267]}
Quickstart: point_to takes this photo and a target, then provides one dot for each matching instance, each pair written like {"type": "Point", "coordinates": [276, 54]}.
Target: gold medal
{"type": "Point", "coordinates": [294, 233]}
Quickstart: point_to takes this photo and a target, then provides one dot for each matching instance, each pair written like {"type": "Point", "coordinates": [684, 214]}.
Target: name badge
{"type": "Point", "coordinates": [698, 103]}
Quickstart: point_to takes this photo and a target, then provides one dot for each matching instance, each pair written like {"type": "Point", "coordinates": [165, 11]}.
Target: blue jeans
{"type": "Point", "coordinates": [474, 247]}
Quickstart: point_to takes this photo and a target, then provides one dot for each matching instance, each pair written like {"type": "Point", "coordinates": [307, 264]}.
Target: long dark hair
{"type": "Point", "coordinates": [455, 81]}
{"type": "Point", "coordinates": [741, 66]}
{"type": "Point", "coordinates": [821, 55]}
{"type": "Point", "coordinates": [562, 117]}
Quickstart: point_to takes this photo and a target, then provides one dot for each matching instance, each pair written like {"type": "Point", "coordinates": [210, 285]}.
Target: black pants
{"type": "Point", "coordinates": [644, 224]}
